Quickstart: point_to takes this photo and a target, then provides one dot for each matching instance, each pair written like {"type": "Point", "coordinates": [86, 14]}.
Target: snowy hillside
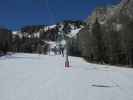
{"type": "Point", "coordinates": [74, 33]}
{"type": "Point", "coordinates": [34, 77]}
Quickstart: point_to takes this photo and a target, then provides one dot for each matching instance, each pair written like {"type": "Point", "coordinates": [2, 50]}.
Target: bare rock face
{"type": "Point", "coordinates": [127, 8]}
{"type": "Point", "coordinates": [99, 13]}
{"type": "Point", "coordinates": [115, 13]}
{"type": "Point", "coordinates": [114, 16]}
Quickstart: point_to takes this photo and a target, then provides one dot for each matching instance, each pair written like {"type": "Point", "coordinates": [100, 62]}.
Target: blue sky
{"type": "Point", "coordinates": [17, 13]}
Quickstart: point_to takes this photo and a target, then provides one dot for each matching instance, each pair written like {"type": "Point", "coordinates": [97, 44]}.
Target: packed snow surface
{"type": "Point", "coordinates": [43, 77]}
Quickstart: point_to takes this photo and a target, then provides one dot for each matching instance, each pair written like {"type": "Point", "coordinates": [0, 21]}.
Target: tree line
{"type": "Point", "coordinates": [5, 40]}
{"type": "Point", "coordinates": [31, 38]}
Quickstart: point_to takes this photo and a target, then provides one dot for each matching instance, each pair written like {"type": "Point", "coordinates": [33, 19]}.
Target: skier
{"type": "Point", "coordinates": [55, 50]}
{"type": "Point", "coordinates": [62, 50]}
{"type": "Point", "coordinates": [49, 49]}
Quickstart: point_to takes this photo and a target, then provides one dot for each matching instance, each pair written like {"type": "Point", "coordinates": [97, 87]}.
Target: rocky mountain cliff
{"type": "Point", "coordinates": [108, 37]}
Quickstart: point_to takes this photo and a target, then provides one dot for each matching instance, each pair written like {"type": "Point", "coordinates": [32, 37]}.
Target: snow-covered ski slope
{"type": "Point", "coordinates": [34, 77]}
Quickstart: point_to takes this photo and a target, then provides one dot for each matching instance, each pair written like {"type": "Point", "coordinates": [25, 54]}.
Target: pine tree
{"type": "Point", "coordinates": [98, 44]}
